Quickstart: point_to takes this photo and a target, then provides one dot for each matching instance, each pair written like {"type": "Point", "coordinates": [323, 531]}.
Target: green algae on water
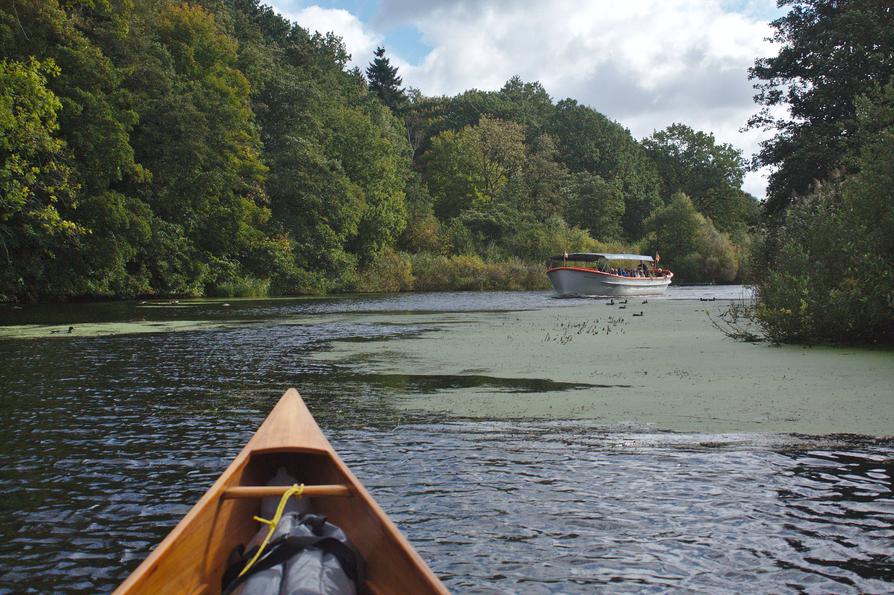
{"type": "Point", "coordinates": [666, 368]}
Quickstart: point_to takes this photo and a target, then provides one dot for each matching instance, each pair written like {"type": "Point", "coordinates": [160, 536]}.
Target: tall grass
{"type": "Point", "coordinates": [435, 272]}
{"type": "Point", "coordinates": [390, 272]}
{"type": "Point", "coordinates": [241, 287]}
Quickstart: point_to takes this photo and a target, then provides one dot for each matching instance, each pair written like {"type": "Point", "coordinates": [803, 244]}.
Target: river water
{"type": "Point", "coordinates": [111, 436]}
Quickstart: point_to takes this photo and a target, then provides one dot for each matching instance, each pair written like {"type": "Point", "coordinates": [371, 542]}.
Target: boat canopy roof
{"type": "Point", "coordinates": [594, 256]}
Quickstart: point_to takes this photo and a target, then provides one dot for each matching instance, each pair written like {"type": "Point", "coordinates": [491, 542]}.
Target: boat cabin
{"type": "Point", "coordinates": [621, 265]}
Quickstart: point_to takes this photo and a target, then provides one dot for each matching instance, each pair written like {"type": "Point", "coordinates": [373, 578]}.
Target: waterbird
{"type": "Point", "coordinates": [640, 313]}
{"type": "Point", "coordinates": [57, 331]}
{"type": "Point", "coordinates": [624, 302]}
{"type": "Point", "coordinates": [645, 301]}
{"type": "Point", "coordinates": [622, 307]}
{"type": "Point", "coordinates": [611, 303]}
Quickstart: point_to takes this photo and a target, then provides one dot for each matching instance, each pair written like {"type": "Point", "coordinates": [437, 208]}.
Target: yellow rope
{"type": "Point", "coordinates": [296, 490]}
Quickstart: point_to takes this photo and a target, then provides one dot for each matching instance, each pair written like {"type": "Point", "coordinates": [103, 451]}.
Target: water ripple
{"type": "Point", "coordinates": [109, 440]}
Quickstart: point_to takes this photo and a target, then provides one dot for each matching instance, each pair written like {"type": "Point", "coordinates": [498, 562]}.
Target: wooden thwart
{"type": "Point", "coordinates": [313, 491]}
{"type": "Point", "coordinates": [194, 556]}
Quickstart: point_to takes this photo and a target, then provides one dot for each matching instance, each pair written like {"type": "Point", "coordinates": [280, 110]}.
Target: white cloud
{"type": "Point", "coordinates": [359, 40]}
{"type": "Point", "coordinates": [644, 63]}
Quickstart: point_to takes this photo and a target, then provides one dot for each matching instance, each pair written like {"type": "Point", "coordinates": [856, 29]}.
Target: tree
{"type": "Point", "coordinates": [384, 82]}
{"type": "Point", "coordinates": [472, 168]}
{"type": "Point", "coordinates": [527, 104]}
{"type": "Point", "coordinates": [591, 142]}
{"type": "Point", "coordinates": [374, 155]}
{"type": "Point", "coordinates": [94, 123]}
{"type": "Point", "coordinates": [36, 184]}
{"type": "Point", "coordinates": [338, 158]}
{"type": "Point", "coordinates": [542, 188]}
{"type": "Point", "coordinates": [828, 267]}
{"type": "Point", "coordinates": [691, 244]}
{"type": "Point", "coordinates": [597, 206]}
{"type": "Point", "coordinates": [198, 137]}
{"type": "Point", "coordinates": [692, 162]}
{"type": "Point", "coordinates": [831, 52]}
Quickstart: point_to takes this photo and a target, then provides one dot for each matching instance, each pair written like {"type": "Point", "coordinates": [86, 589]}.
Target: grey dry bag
{"type": "Point", "coordinates": [306, 555]}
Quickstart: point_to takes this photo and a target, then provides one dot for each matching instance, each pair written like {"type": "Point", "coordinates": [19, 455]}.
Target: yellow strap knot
{"type": "Point", "coordinates": [296, 490]}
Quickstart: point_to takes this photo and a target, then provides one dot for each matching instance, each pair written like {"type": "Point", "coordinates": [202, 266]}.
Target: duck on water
{"type": "Point", "coordinates": [592, 273]}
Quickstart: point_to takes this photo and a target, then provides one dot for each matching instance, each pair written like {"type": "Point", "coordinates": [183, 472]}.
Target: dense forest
{"type": "Point", "coordinates": [161, 148]}
{"type": "Point", "coordinates": [214, 148]}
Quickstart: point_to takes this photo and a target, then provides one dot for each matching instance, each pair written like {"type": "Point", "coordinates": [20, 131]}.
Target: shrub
{"type": "Point", "coordinates": [390, 271]}
{"type": "Point", "coordinates": [824, 274]}
{"type": "Point", "coordinates": [241, 287]}
{"type": "Point", "coordinates": [471, 273]}
{"type": "Point", "coordinates": [430, 272]}
{"type": "Point", "coordinates": [695, 250]}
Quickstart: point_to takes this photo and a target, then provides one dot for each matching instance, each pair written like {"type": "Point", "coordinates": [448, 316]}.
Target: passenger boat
{"type": "Point", "coordinates": [593, 274]}
{"type": "Point", "coordinates": [194, 556]}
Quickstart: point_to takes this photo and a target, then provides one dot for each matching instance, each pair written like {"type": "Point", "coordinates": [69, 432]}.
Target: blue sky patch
{"type": "Point", "coordinates": [406, 42]}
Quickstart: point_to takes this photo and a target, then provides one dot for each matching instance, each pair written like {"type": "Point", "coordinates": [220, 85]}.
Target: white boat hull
{"type": "Point", "coordinates": [572, 281]}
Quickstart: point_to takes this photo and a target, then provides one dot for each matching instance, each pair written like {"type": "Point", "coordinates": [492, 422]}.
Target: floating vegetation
{"type": "Point", "coordinates": [568, 330]}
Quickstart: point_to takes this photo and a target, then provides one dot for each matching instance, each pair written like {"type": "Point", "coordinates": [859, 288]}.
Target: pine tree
{"type": "Point", "coordinates": [384, 82]}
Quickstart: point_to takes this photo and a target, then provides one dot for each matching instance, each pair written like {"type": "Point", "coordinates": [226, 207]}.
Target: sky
{"type": "Point", "coordinates": [643, 63]}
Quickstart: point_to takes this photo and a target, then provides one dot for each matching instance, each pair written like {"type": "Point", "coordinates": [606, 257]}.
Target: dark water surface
{"type": "Point", "coordinates": [109, 440]}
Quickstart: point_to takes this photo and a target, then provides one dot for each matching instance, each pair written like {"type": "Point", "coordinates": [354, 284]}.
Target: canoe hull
{"type": "Point", "coordinates": [573, 281]}
{"type": "Point", "coordinates": [193, 557]}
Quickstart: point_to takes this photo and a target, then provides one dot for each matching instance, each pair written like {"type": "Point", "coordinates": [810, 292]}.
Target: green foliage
{"type": "Point", "coordinates": [591, 142]}
{"type": "Point", "coordinates": [473, 167]}
{"type": "Point", "coordinates": [423, 232]}
{"type": "Point", "coordinates": [376, 161]}
{"type": "Point", "coordinates": [390, 272]}
{"type": "Point", "coordinates": [384, 82]}
{"type": "Point", "coordinates": [534, 240]}
{"type": "Point", "coordinates": [832, 51]}
{"type": "Point", "coordinates": [827, 272]}
{"type": "Point", "coordinates": [471, 273]}
{"type": "Point", "coordinates": [36, 185]}
{"type": "Point", "coordinates": [215, 148]}
{"type": "Point", "coordinates": [92, 157]}
{"type": "Point", "coordinates": [822, 266]}
{"type": "Point", "coordinates": [198, 137]}
{"type": "Point", "coordinates": [691, 162]}
{"type": "Point", "coordinates": [242, 288]}
{"type": "Point", "coordinates": [525, 103]}
{"type": "Point", "coordinates": [699, 251]}
{"type": "Point", "coordinates": [597, 206]}
{"type": "Point", "coordinates": [541, 190]}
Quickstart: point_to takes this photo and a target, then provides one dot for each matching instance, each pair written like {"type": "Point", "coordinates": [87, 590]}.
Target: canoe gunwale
{"type": "Point", "coordinates": [191, 557]}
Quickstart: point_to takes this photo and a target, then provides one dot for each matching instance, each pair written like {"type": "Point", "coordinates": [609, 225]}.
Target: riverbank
{"type": "Point", "coordinates": [661, 365]}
